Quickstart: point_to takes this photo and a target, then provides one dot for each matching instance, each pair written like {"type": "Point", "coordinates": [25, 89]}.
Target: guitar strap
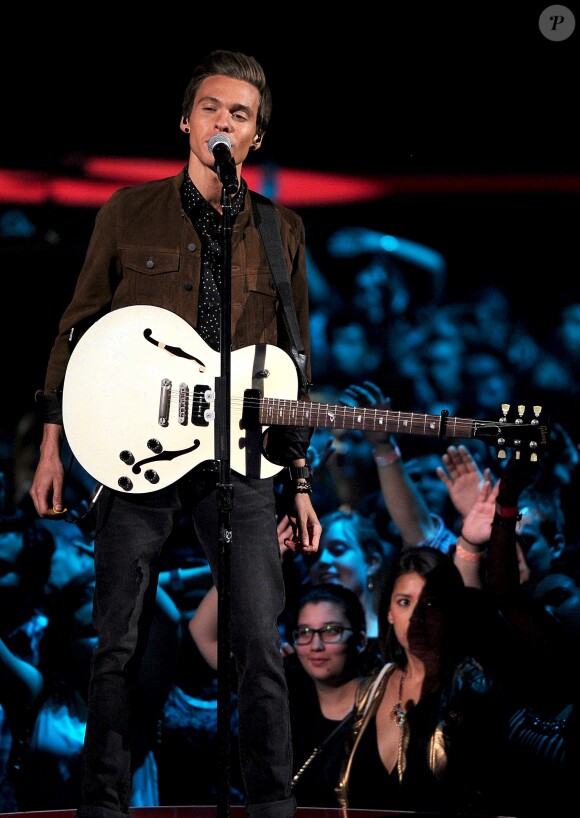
{"type": "Point", "coordinates": [268, 227]}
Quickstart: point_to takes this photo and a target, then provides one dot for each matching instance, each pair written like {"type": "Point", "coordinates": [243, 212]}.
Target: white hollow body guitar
{"type": "Point", "coordinates": [139, 404]}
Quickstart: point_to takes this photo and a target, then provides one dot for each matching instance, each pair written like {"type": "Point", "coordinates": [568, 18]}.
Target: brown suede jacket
{"type": "Point", "coordinates": [145, 250]}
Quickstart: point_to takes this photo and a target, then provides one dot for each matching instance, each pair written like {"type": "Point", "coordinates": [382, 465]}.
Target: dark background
{"type": "Point", "coordinates": [397, 88]}
{"type": "Point", "coordinates": [410, 90]}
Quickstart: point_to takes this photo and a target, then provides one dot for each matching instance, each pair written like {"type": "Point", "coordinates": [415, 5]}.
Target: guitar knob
{"type": "Point", "coordinates": [125, 483]}
{"type": "Point", "coordinates": [155, 446]}
{"type": "Point", "coordinates": [127, 457]}
{"type": "Point", "coordinates": [151, 476]}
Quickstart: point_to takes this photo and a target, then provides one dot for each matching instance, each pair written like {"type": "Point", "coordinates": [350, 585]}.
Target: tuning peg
{"type": "Point", "coordinates": [537, 411]}
{"type": "Point", "coordinates": [505, 407]}
{"type": "Point", "coordinates": [502, 454]}
{"type": "Point", "coordinates": [521, 409]}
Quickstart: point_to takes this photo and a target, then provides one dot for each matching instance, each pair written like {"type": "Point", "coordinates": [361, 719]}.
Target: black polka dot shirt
{"type": "Point", "coordinates": [206, 221]}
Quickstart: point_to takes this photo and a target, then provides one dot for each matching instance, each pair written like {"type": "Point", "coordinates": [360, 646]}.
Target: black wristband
{"type": "Point", "coordinates": [300, 472]}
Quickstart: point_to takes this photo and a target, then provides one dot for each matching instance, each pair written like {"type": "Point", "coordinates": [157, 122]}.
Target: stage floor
{"type": "Point", "coordinates": [211, 811]}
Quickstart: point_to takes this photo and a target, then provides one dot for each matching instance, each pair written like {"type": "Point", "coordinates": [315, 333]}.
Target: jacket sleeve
{"type": "Point", "coordinates": [91, 298]}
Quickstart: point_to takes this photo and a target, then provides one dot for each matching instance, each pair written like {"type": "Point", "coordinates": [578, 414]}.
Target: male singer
{"type": "Point", "coordinates": [160, 244]}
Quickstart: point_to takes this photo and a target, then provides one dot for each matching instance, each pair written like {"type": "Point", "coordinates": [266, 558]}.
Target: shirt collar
{"type": "Point", "coordinates": [193, 201]}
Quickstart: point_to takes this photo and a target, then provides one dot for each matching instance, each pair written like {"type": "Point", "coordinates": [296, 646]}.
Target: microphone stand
{"type": "Point", "coordinates": [225, 493]}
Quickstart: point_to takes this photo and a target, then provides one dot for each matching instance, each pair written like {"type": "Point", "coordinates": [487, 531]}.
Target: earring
{"type": "Point", "coordinates": [186, 130]}
{"type": "Point", "coordinates": [370, 584]}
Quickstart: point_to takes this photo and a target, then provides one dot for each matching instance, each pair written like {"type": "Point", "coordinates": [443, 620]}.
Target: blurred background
{"type": "Point", "coordinates": [432, 152]}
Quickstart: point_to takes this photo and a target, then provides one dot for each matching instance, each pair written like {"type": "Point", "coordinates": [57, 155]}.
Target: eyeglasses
{"type": "Point", "coordinates": [330, 634]}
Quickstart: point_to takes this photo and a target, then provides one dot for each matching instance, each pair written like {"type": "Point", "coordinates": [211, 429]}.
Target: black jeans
{"type": "Point", "coordinates": [131, 533]}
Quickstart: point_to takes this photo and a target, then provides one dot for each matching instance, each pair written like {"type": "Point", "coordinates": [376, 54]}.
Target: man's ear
{"type": "Point", "coordinates": [256, 142]}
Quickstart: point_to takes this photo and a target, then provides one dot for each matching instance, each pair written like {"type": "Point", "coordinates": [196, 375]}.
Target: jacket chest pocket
{"type": "Point", "coordinates": [151, 273]}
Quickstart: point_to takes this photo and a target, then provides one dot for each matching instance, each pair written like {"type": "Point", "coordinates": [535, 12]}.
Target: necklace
{"type": "Point", "coordinates": [398, 714]}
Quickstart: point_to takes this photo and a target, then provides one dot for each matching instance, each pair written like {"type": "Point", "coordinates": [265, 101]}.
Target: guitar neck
{"type": "Point", "coordinates": [280, 411]}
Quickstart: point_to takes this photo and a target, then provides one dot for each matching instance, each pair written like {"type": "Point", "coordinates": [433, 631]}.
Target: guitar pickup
{"type": "Point", "coordinates": [201, 411]}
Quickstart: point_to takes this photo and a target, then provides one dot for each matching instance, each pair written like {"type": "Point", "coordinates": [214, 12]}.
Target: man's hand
{"type": "Point", "coordinates": [305, 527]}
{"type": "Point", "coordinates": [46, 490]}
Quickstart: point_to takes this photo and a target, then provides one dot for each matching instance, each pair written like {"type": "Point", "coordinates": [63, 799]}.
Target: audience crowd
{"type": "Point", "coordinates": [441, 611]}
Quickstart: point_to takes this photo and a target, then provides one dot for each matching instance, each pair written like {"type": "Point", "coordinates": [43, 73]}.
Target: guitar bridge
{"type": "Point", "coordinates": [164, 402]}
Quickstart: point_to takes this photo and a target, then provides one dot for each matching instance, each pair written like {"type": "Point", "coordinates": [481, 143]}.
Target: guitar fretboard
{"type": "Point", "coordinates": [281, 411]}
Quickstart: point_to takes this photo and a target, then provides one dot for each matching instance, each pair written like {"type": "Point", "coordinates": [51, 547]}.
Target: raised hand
{"type": "Point", "coordinates": [368, 394]}
{"type": "Point", "coordinates": [463, 477]}
{"type": "Point", "coordinates": [476, 526]}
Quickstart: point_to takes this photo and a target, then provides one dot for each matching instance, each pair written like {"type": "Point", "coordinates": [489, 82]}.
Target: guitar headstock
{"type": "Point", "coordinates": [517, 429]}
{"type": "Point", "coordinates": [528, 434]}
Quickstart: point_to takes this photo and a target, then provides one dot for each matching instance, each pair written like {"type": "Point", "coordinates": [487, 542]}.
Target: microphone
{"type": "Point", "coordinates": [220, 146]}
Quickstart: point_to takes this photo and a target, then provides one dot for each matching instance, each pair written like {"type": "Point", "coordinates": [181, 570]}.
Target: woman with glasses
{"type": "Point", "coordinates": [323, 674]}
{"type": "Point", "coordinates": [324, 666]}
